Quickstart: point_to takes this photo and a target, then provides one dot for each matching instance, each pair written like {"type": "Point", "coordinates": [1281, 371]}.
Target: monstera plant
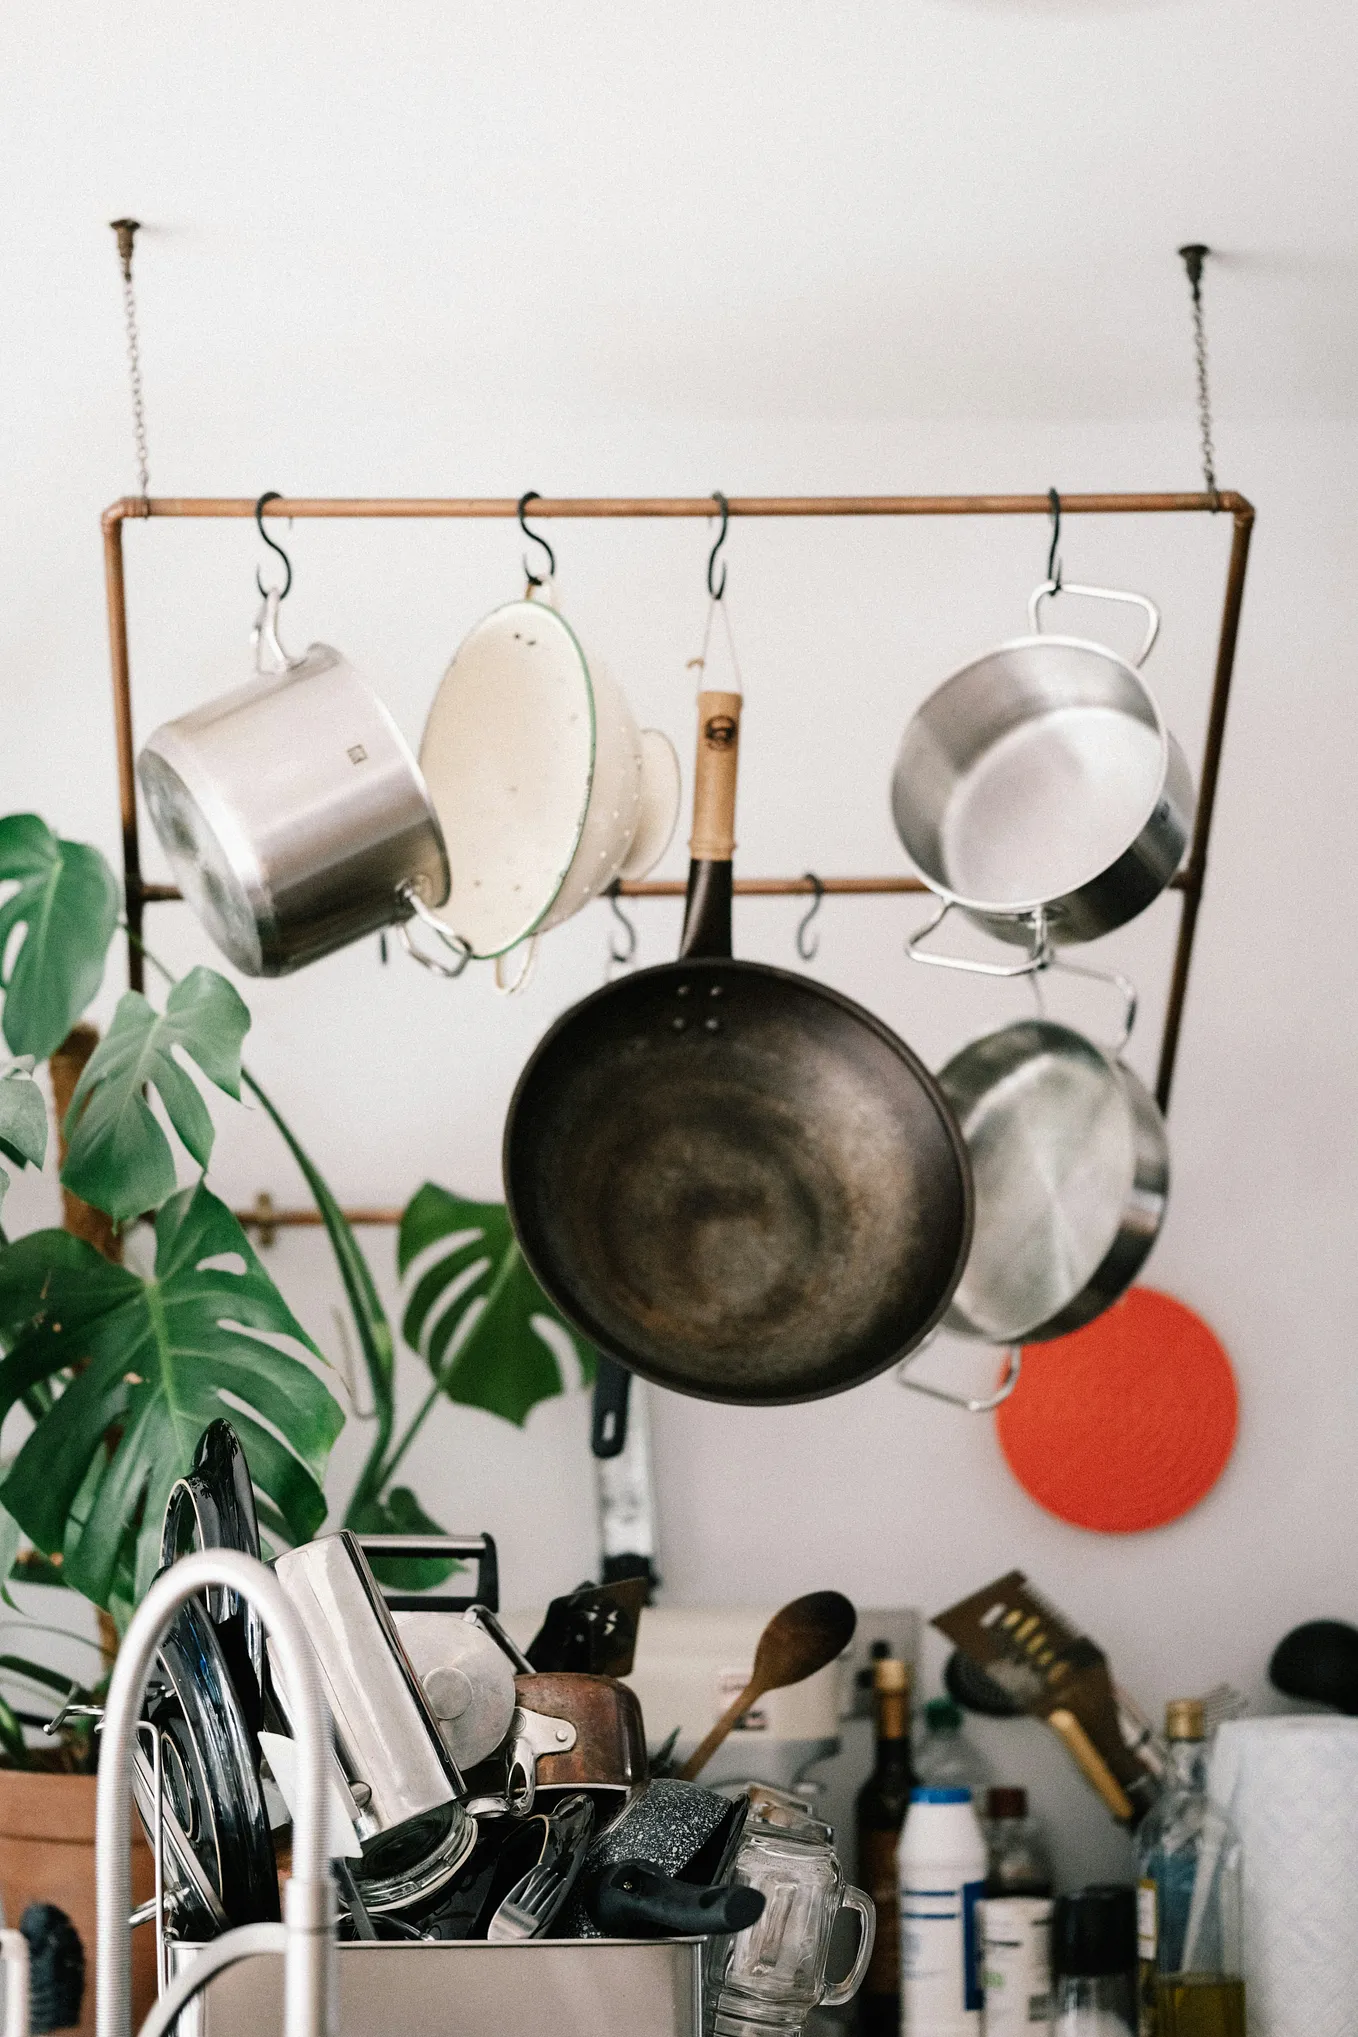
{"type": "Point", "coordinates": [121, 1366]}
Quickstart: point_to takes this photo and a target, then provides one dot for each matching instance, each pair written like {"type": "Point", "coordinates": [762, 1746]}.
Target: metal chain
{"type": "Point", "coordinates": [126, 230]}
{"type": "Point", "coordinates": [1193, 258]}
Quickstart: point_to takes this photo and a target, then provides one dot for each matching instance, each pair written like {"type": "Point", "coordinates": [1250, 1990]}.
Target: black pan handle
{"type": "Point", "coordinates": [479, 1547]}
{"type": "Point", "coordinates": [635, 1900]}
{"type": "Point", "coordinates": [612, 1391]}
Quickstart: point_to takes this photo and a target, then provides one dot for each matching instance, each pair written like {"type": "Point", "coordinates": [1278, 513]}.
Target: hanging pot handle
{"type": "Point", "coordinates": [1112, 1048]}
{"type": "Point", "coordinates": [1039, 958]}
{"type": "Point", "coordinates": [510, 987]}
{"type": "Point", "coordinates": [974, 1405]}
{"type": "Point", "coordinates": [410, 898]}
{"type": "Point", "coordinates": [1142, 601]}
{"type": "Point", "coordinates": [845, 1990]}
{"type": "Point", "coordinates": [265, 639]}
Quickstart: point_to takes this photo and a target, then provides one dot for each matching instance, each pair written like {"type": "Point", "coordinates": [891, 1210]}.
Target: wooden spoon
{"type": "Point", "coordinates": [797, 1642]}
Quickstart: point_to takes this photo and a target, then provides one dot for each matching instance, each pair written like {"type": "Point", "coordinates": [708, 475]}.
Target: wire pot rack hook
{"type": "Point", "coordinates": [623, 957]}
{"type": "Point", "coordinates": [535, 538]}
{"type": "Point", "coordinates": [716, 588]}
{"type": "Point", "coordinates": [808, 944]}
{"type": "Point", "coordinates": [271, 495]}
{"type": "Point", "coordinates": [1054, 550]}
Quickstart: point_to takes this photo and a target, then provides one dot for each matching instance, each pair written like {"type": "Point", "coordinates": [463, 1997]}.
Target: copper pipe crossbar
{"type": "Point", "coordinates": [1189, 882]}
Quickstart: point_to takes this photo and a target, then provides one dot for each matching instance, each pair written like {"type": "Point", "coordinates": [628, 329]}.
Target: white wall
{"type": "Point", "coordinates": [603, 248]}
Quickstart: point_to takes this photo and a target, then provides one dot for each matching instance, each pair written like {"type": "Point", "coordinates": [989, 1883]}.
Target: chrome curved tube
{"type": "Point", "coordinates": [308, 1909]}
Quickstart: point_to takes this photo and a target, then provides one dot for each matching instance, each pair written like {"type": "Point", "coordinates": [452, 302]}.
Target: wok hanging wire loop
{"type": "Point", "coordinates": [1053, 554]}
{"type": "Point", "coordinates": [1193, 257]}
{"type": "Point", "coordinates": [620, 958]}
{"type": "Point", "coordinates": [715, 589]}
{"type": "Point", "coordinates": [271, 495]}
{"type": "Point", "coordinates": [126, 230]}
{"type": "Point", "coordinates": [535, 538]}
{"type": "Point", "coordinates": [808, 944]}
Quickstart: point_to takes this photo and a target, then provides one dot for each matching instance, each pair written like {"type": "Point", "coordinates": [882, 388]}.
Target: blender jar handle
{"type": "Point", "coordinates": [1142, 601]}
{"type": "Point", "coordinates": [845, 1990]}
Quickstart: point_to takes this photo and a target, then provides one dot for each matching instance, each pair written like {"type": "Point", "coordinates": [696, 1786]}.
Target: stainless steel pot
{"type": "Point", "coordinates": [1070, 1161]}
{"type": "Point", "coordinates": [1039, 791]}
{"type": "Point", "coordinates": [293, 813]}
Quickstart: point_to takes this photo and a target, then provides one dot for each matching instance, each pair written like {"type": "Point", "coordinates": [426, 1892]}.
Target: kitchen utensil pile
{"type": "Point", "coordinates": [478, 1792]}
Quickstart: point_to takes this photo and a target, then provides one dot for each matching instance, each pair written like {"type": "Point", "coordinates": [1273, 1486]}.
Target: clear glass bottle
{"type": "Point", "coordinates": [943, 1759]}
{"type": "Point", "coordinates": [1018, 1863]}
{"type": "Point", "coordinates": [1189, 1898]}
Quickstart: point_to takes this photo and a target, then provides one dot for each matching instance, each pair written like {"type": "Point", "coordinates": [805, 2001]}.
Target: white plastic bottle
{"type": "Point", "coordinates": [941, 1865]}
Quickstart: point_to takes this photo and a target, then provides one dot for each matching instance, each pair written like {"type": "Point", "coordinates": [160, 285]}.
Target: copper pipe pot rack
{"type": "Point", "coordinates": [1188, 883]}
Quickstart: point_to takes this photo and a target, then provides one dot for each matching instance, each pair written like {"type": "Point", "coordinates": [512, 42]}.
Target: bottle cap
{"type": "Point", "coordinates": [949, 1795]}
{"type": "Point", "coordinates": [1007, 1803]}
{"type": "Point", "coordinates": [941, 1715]}
{"type": "Point", "coordinates": [1094, 1931]}
{"type": "Point", "coordinates": [890, 1673]}
{"type": "Point", "coordinates": [1185, 1719]}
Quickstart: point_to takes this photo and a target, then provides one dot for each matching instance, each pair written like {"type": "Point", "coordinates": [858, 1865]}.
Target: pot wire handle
{"type": "Point", "coordinates": [1142, 601]}
{"type": "Point", "coordinates": [410, 897]}
{"type": "Point", "coordinates": [1113, 976]}
{"type": "Point", "coordinates": [974, 1405]}
{"type": "Point", "coordinates": [1038, 960]}
{"type": "Point", "coordinates": [510, 987]}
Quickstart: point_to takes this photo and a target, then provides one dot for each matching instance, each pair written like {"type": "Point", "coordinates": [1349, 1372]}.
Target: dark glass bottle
{"type": "Point", "coordinates": [882, 1804]}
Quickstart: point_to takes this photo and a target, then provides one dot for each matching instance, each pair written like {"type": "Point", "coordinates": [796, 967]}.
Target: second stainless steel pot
{"type": "Point", "coordinates": [1039, 791]}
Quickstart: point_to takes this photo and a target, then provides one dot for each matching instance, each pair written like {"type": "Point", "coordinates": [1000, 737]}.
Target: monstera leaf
{"type": "Point", "coordinates": [23, 1121]}
{"type": "Point", "coordinates": [67, 904]}
{"type": "Point", "coordinates": [398, 1512]}
{"type": "Point", "coordinates": [156, 1360]}
{"type": "Point", "coordinates": [120, 1159]}
{"type": "Point", "coordinates": [474, 1314]}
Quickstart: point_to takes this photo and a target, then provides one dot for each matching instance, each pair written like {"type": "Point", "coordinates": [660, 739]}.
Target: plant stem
{"type": "Point", "coordinates": [387, 1471]}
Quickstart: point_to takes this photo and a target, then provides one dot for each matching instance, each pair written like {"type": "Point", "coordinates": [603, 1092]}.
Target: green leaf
{"type": "Point", "coordinates": [474, 1314]}
{"type": "Point", "coordinates": [400, 1513]}
{"type": "Point", "coordinates": [120, 1159]}
{"type": "Point", "coordinates": [67, 902]}
{"type": "Point", "coordinates": [23, 1122]}
{"type": "Point", "coordinates": [158, 1360]}
{"type": "Point", "coordinates": [370, 1318]}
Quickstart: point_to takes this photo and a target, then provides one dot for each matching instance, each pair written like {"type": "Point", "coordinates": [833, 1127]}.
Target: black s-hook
{"type": "Point", "coordinates": [808, 944]}
{"type": "Point", "coordinates": [271, 495]}
{"type": "Point", "coordinates": [531, 495]}
{"type": "Point", "coordinates": [1053, 555]}
{"type": "Point", "coordinates": [714, 589]}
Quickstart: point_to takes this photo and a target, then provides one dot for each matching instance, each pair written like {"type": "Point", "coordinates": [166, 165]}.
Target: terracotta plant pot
{"type": "Point", "coordinates": [47, 1856]}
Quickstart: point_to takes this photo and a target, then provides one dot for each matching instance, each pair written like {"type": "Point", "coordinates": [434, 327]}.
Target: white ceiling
{"type": "Point", "coordinates": [929, 208]}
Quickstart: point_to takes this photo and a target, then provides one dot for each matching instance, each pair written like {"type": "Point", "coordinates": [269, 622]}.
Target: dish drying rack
{"type": "Point", "coordinates": [1188, 882]}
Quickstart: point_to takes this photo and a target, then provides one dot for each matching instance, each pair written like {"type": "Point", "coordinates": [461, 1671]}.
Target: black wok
{"type": "Point", "coordinates": [729, 1178]}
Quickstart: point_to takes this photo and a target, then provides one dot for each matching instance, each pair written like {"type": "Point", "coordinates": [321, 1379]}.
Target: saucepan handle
{"type": "Point", "coordinates": [1141, 601]}
{"type": "Point", "coordinates": [845, 1990]}
{"type": "Point", "coordinates": [410, 898]}
{"type": "Point", "coordinates": [1039, 958]}
{"type": "Point", "coordinates": [977, 1405]}
{"type": "Point", "coordinates": [1119, 982]}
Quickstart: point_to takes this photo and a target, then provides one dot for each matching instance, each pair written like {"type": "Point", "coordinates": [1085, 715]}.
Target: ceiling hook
{"type": "Point", "coordinates": [715, 590]}
{"type": "Point", "coordinates": [1053, 553]}
{"type": "Point", "coordinates": [620, 957]}
{"type": "Point", "coordinates": [808, 946]}
{"type": "Point", "coordinates": [531, 495]}
{"type": "Point", "coordinates": [271, 495]}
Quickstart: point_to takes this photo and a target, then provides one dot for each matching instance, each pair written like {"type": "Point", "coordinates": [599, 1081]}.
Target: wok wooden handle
{"type": "Point", "coordinates": [1091, 1763]}
{"type": "Point", "coordinates": [714, 778]}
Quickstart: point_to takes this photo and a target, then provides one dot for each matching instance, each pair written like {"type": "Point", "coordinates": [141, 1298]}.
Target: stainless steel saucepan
{"type": "Point", "coordinates": [1070, 1161]}
{"type": "Point", "coordinates": [1038, 790]}
{"type": "Point", "coordinates": [293, 814]}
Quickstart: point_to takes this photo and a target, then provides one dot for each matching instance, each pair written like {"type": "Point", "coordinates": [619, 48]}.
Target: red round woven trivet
{"type": "Point", "coordinates": [1127, 1423]}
